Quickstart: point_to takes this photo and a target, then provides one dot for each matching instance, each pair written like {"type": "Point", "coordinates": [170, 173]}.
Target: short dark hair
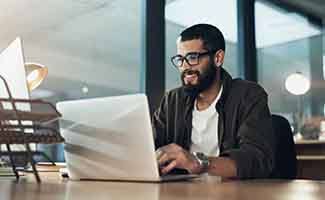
{"type": "Point", "coordinates": [211, 36]}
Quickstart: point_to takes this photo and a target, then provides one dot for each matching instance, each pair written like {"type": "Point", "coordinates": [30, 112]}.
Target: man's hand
{"type": "Point", "coordinates": [173, 156]}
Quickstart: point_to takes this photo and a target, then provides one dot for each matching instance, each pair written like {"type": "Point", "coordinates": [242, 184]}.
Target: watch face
{"type": "Point", "coordinates": [200, 155]}
{"type": "Point", "coordinates": [203, 160]}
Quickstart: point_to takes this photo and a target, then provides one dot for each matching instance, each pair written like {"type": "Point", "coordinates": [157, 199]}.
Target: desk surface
{"type": "Point", "coordinates": [201, 188]}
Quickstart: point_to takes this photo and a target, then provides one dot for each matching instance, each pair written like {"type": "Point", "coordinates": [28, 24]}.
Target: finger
{"type": "Point", "coordinates": [164, 158]}
{"type": "Point", "coordinates": [159, 153]}
{"type": "Point", "coordinates": [171, 148]}
{"type": "Point", "coordinates": [169, 167]}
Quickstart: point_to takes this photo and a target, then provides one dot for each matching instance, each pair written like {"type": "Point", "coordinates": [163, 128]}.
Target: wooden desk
{"type": "Point", "coordinates": [311, 159]}
{"type": "Point", "coordinates": [310, 147]}
{"type": "Point", "coordinates": [202, 188]}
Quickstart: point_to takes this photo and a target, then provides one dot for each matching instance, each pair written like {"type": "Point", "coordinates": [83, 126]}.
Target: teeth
{"type": "Point", "coordinates": [190, 76]}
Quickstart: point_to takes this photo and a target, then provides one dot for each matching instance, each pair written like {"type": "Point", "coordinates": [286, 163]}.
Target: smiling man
{"type": "Point", "coordinates": [212, 123]}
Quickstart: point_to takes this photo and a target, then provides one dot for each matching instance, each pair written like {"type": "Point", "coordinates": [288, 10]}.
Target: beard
{"type": "Point", "coordinates": [205, 80]}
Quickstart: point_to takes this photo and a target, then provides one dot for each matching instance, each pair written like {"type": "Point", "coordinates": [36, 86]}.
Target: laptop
{"type": "Point", "coordinates": [110, 138]}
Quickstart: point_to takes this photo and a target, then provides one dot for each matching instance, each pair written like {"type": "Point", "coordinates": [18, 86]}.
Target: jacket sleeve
{"type": "Point", "coordinates": [255, 154]}
{"type": "Point", "coordinates": [159, 123]}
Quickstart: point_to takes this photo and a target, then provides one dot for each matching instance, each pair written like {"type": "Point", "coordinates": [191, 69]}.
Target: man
{"type": "Point", "coordinates": [213, 123]}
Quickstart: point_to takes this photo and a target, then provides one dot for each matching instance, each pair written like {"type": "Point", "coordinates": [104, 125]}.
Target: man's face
{"type": "Point", "coordinates": [198, 77]}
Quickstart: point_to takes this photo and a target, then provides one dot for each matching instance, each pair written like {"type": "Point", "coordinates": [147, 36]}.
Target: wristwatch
{"type": "Point", "coordinates": [203, 161]}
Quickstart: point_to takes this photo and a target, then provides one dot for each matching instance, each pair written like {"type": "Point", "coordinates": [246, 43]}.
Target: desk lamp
{"type": "Point", "coordinates": [35, 74]}
{"type": "Point", "coordinates": [298, 85]}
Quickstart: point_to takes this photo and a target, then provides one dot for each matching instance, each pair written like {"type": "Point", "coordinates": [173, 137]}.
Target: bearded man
{"type": "Point", "coordinates": [212, 123]}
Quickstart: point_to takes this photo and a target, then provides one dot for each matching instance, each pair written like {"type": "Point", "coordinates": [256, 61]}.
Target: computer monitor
{"type": "Point", "coordinates": [12, 68]}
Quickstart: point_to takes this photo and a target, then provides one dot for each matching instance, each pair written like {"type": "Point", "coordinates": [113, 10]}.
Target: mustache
{"type": "Point", "coordinates": [190, 72]}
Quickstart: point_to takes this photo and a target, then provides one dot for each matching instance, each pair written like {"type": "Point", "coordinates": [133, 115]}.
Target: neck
{"type": "Point", "coordinates": [206, 98]}
{"type": "Point", "coordinates": [210, 93]}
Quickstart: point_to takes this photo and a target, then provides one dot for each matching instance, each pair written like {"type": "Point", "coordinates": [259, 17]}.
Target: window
{"type": "Point", "coordinates": [91, 48]}
{"type": "Point", "coordinates": [288, 43]}
{"type": "Point", "coordinates": [200, 12]}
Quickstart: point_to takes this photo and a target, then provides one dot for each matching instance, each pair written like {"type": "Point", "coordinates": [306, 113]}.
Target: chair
{"type": "Point", "coordinates": [285, 157]}
{"type": "Point", "coordinates": [26, 127]}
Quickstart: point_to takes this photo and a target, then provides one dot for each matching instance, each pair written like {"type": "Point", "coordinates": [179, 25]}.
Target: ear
{"type": "Point", "coordinates": [219, 58]}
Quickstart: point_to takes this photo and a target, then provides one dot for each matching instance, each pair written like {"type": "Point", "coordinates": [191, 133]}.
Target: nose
{"type": "Point", "coordinates": [185, 65]}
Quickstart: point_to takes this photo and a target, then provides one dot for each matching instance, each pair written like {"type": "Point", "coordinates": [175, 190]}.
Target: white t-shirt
{"type": "Point", "coordinates": [205, 129]}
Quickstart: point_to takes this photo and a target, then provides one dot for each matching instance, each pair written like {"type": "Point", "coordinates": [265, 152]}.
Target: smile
{"type": "Point", "coordinates": [190, 78]}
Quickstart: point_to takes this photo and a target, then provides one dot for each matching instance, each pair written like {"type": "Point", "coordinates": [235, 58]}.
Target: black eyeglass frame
{"type": "Point", "coordinates": [197, 54]}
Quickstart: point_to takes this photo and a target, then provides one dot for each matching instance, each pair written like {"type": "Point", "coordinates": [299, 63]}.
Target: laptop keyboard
{"type": "Point", "coordinates": [174, 172]}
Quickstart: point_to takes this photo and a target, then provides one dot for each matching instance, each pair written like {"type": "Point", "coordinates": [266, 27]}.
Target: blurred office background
{"type": "Point", "coordinates": [100, 47]}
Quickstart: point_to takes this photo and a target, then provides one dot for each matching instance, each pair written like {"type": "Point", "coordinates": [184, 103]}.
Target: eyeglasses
{"type": "Point", "coordinates": [191, 58]}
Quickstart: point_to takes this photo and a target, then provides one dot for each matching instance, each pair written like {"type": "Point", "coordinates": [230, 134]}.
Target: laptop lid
{"type": "Point", "coordinates": [109, 138]}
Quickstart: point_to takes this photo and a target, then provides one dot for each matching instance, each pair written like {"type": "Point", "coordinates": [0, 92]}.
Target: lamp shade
{"type": "Point", "coordinates": [297, 84]}
{"type": "Point", "coordinates": [35, 74]}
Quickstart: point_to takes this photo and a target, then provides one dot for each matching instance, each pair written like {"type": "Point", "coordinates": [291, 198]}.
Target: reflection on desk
{"type": "Point", "coordinates": [298, 142]}
{"type": "Point", "coordinates": [207, 187]}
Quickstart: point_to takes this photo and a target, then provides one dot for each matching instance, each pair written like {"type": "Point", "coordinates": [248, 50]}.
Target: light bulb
{"type": "Point", "coordinates": [33, 76]}
{"type": "Point", "coordinates": [297, 84]}
{"type": "Point", "coordinates": [85, 89]}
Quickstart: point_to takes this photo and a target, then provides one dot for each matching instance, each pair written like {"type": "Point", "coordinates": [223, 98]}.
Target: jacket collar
{"type": "Point", "coordinates": [226, 81]}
